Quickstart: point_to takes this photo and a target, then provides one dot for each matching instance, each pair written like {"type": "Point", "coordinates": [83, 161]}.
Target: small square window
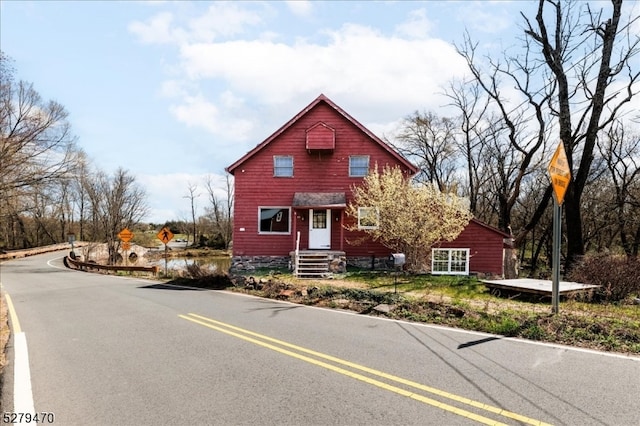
{"type": "Point", "coordinates": [358, 165]}
{"type": "Point", "coordinates": [368, 218]}
{"type": "Point", "coordinates": [283, 165]}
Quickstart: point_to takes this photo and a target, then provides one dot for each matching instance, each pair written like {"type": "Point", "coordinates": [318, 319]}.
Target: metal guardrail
{"type": "Point", "coordinates": [14, 254]}
{"type": "Point", "coordinates": [71, 263]}
{"type": "Point", "coordinates": [91, 266]}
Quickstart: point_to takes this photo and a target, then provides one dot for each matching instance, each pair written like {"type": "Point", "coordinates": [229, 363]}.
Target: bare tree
{"type": "Point", "coordinates": [468, 98]}
{"type": "Point", "coordinates": [36, 144]}
{"type": "Point", "coordinates": [575, 74]}
{"type": "Point", "coordinates": [117, 202]}
{"type": "Point", "coordinates": [589, 77]}
{"type": "Point", "coordinates": [221, 208]}
{"type": "Point", "coordinates": [430, 142]}
{"type": "Point", "coordinates": [192, 188]}
{"type": "Point", "coordinates": [80, 196]}
{"type": "Point", "coordinates": [621, 152]}
{"type": "Point", "coordinates": [512, 140]}
{"type": "Point", "coordinates": [36, 150]}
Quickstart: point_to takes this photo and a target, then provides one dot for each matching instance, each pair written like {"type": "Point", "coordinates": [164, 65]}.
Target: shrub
{"type": "Point", "coordinates": [618, 276]}
{"type": "Point", "coordinates": [504, 325]}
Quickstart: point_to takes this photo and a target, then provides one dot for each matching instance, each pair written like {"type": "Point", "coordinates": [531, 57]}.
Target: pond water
{"type": "Point", "coordinates": [221, 264]}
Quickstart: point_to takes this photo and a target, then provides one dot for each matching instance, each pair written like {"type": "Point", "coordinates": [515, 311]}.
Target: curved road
{"type": "Point", "coordinates": [107, 350]}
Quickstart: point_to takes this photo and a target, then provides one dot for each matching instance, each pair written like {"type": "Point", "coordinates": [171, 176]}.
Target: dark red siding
{"type": "Point", "coordinates": [314, 171]}
{"type": "Point", "coordinates": [486, 247]}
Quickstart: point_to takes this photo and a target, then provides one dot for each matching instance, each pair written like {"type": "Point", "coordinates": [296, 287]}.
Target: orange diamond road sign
{"type": "Point", "coordinates": [559, 172]}
{"type": "Point", "coordinates": [125, 235]}
{"type": "Point", "coordinates": [165, 235]}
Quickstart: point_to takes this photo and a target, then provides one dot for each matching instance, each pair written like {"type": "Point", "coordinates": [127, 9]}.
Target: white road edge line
{"type": "Point", "coordinates": [22, 392]}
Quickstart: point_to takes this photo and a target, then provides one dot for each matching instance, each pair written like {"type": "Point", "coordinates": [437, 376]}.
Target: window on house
{"type": "Point", "coordinates": [283, 165]}
{"type": "Point", "coordinates": [450, 261]}
{"type": "Point", "coordinates": [358, 165]}
{"type": "Point", "coordinates": [368, 218]}
{"type": "Point", "coordinates": [274, 220]}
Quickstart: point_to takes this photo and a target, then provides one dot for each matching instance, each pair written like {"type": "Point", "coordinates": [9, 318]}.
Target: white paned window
{"type": "Point", "coordinates": [450, 261]}
{"type": "Point", "coordinates": [283, 165]}
{"type": "Point", "coordinates": [358, 165]}
{"type": "Point", "coordinates": [368, 218]}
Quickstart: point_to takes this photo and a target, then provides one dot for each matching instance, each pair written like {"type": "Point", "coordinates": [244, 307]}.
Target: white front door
{"type": "Point", "coordinates": [320, 229]}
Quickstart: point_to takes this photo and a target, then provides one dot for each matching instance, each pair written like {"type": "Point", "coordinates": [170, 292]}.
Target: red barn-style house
{"type": "Point", "coordinates": [292, 189]}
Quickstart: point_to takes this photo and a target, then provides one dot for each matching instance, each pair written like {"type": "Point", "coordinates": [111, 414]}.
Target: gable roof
{"type": "Point", "coordinates": [491, 228]}
{"type": "Point", "coordinates": [323, 99]}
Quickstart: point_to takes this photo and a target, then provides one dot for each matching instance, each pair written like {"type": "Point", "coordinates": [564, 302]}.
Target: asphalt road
{"type": "Point", "coordinates": [106, 350]}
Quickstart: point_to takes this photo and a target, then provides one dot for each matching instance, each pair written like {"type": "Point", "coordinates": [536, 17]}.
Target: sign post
{"type": "Point", "coordinates": [72, 238]}
{"type": "Point", "coordinates": [125, 236]}
{"type": "Point", "coordinates": [560, 175]}
{"type": "Point", "coordinates": [165, 235]}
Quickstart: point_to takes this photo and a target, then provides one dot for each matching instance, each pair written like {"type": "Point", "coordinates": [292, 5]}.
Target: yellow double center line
{"type": "Point", "coordinates": [269, 342]}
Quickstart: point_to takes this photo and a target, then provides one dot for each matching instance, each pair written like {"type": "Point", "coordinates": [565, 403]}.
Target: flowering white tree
{"type": "Point", "coordinates": [406, 217]}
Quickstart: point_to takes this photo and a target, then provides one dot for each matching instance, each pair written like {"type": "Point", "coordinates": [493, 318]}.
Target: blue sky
{"type": "Point", "coordinates": [176, 91]}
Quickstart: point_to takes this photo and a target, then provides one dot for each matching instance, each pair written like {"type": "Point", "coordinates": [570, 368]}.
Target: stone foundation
{"type": "Point", "coordinates": [337, 264]}
{"type": "Point", "coordinates": [249, 263]}
{"type": "Point", "coordinates": [370, 262]}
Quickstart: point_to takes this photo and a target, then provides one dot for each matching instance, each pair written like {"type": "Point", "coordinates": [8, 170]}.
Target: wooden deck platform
{"type": "Point", "coordinates": [533, 286]}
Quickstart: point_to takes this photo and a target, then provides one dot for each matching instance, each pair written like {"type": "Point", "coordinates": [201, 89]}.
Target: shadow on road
{"type": "Point", "coordinates": [477, 342]}
{"type": "Point", "coordinates": [169, 286]}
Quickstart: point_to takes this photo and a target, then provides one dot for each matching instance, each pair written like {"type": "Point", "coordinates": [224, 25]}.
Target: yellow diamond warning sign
{"type": "Point", "coordinates": [559, 172]}
{"type": "Point", "coordinates": [125, 235]}
{"type": "Point", "coordinates": [165, 235]}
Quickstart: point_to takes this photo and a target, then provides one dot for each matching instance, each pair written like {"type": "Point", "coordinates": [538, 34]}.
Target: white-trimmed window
{"type": "Point", "coordinates": [368, 218]}
{"type": "Point", "coordinates": [449, 261]}
{"type": "Point", "coordinates": [283, 166]}
{"type": "Point", "coordinates": [274, 220]}
{"type": "Point", "coordinates": [358, 165]}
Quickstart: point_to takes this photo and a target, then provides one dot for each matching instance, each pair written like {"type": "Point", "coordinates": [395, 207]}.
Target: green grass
{"type": "Point", "coordinates": [449, 285]}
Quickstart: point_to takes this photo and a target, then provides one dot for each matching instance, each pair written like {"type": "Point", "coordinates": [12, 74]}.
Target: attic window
{"type": "Point", "coordinates": [321, 137]}
{"type": "Point", "coordinates": [358, 165]}
{"type": "Point", "coordinates": [283, 165]}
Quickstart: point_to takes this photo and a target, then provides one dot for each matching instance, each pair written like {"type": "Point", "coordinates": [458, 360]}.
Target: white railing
{"type": "Point", "coordinates": [296, 256]}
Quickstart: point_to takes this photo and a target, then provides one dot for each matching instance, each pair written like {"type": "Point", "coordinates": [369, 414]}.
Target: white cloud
{"type": "Point", "coordinates": [487, 17]}
{"type": "Point", "coordinates": [197, 111]}
{"type": "Point", "coordinates": [158, 30]}
{"type": "Point", "coordinates": [417, 26]}
{"type": "Point", "coordinates": [356, 60]}
{"type": "Point", "coordinates": [302, 8]}
{"type": "Point", "coordinates": [221, 20]}
{"type": "Point", "coordinates": [173, 89]}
